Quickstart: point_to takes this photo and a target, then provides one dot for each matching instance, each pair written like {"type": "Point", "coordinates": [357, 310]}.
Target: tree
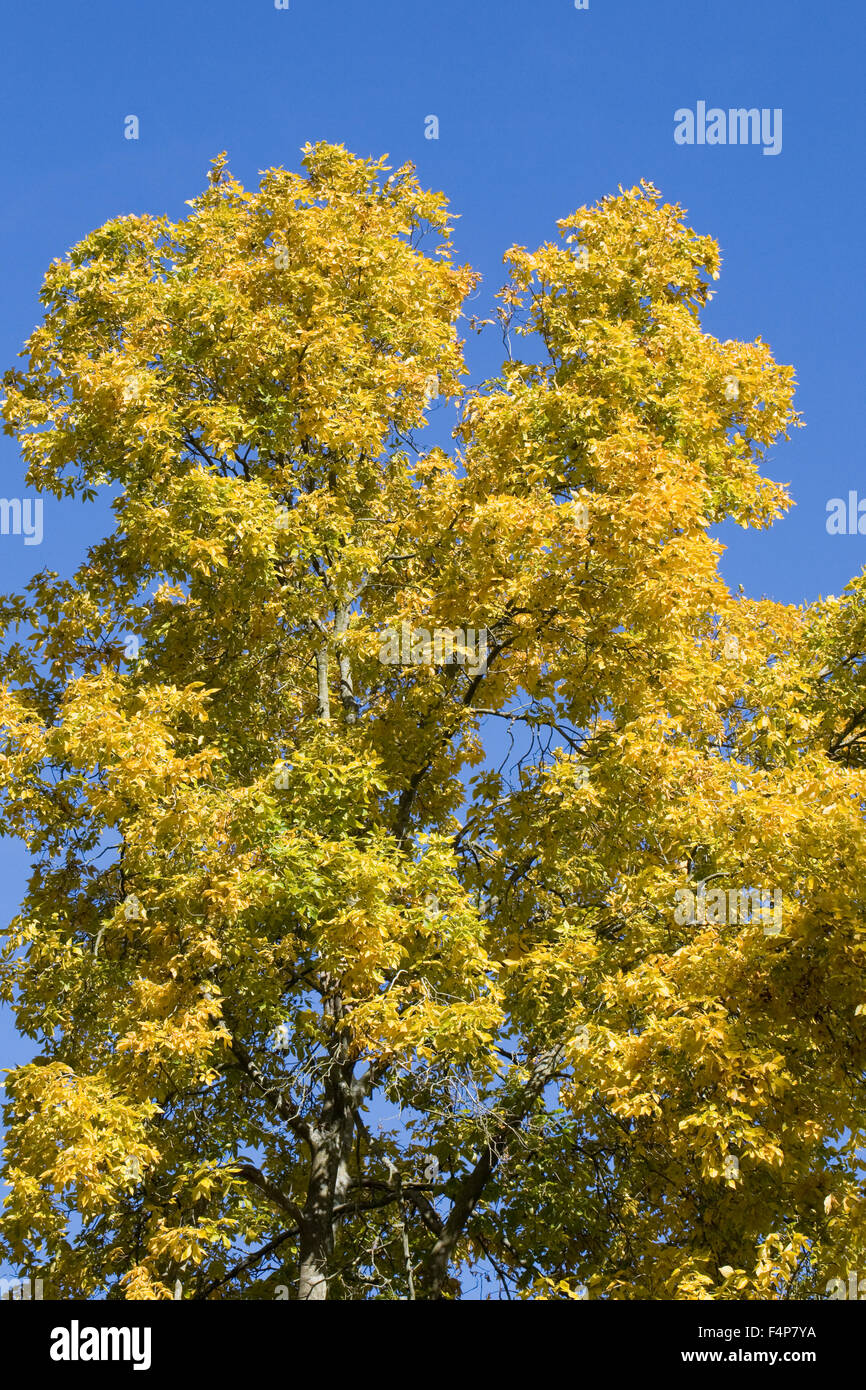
{"type": "Point", "coordinates": [356, 969]}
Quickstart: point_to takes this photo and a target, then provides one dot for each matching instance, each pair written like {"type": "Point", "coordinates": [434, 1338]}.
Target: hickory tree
{"type": "Point", "coordinates": [357, 976]}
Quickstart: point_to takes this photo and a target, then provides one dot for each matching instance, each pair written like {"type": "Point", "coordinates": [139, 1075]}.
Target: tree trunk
{"type": "Point", "coordinates": [347, 693]}
{"type": "Point", "coordinates": [323, 702]}
{"type": "Point", "coordinates": [317, 1228]}
{"type": "Point", "coordinates": [330, 1144]}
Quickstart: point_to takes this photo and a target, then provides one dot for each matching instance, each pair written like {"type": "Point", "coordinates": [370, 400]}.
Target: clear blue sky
{"type": "Point", "coordinates": [542, 108]}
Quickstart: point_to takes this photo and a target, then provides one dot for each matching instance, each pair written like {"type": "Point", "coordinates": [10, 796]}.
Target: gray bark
{"type": "Point", "coordinates": [330, 1142]}
{"type": "Point", "coordinates": [347, 693]}
{"type": "Point", "coordinates": [323, 708]}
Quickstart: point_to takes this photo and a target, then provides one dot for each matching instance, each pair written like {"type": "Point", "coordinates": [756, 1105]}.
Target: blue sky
{"type": "Point", "coordinates": [541, 108]}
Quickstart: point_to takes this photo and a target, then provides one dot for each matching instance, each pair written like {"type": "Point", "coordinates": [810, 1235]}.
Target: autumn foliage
{"type": "Point", "coordinates": [358, 979]}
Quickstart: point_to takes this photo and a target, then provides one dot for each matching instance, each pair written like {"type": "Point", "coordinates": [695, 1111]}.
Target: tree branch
{"type": "Point", "coordinates": [271, 1093]}
{"type": "Point", "coordinates": [255, 1175]}
{"type": "Point", "coordinates": [248, 1262]}
{"type": "Point", "coordinates": [472, 1187]}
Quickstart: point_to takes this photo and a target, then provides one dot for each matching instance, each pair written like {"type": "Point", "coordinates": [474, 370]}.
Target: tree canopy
{"type": "Point", "coordinates": [357, 976]}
